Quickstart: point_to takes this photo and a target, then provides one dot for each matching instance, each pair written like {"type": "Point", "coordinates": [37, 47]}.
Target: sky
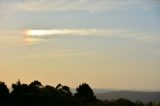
{"type": "Point", "coordinates": [105, 43]}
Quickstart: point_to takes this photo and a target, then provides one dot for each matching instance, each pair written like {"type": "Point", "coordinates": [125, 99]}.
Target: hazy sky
{"type": "Point", "coordinates": [106, 43]}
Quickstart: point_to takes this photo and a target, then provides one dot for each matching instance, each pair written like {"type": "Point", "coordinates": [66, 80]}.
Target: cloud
{"type": "Point", "coordinates": [73, 5]}
{"type": "Point", "coordinates": [61, 54]}
{"type": "Point", "coordinates": [149, 37]}
{"type": "Point", "coordinates": [68, 32]}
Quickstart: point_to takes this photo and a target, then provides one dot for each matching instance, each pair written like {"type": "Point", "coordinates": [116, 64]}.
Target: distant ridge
{"type": "Point", "coordinates": [143, 96]}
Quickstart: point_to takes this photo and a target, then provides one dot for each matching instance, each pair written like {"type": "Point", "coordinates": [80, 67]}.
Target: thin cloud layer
{"type": "Point", "coordinates": [73, 5]}
{"type": "Point", "coordinates": [115, 33]}
{"type": "Point", "coordinates": [61, 54]}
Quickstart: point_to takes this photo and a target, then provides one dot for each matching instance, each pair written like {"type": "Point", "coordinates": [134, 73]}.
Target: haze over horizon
{"type": "Point", "coordinates": [108, 44]}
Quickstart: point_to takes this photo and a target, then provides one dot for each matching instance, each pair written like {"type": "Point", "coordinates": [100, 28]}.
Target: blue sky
{"type": "Point", "coordinates": [109, 44]}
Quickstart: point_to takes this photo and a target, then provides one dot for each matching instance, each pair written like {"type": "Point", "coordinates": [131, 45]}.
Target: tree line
{"type": "Point", "coordinates": [35, 94]}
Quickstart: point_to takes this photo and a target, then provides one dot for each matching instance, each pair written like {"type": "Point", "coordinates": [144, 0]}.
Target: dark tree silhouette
{"type": "Point", "coordinates": [4, 92]}
{"type": "Point", "coordinates": [16, 88]}
{"type": "Point", "coordinates": [139, 103]}
{"type": "Point", "coordinates": [58, 86]}
{"type": "Point", "coordinates": [150, 104]}
{"type": "Point", "coordinates": [66, 90]}
{"type": "Point", "coordinates": [35, 94]}
{"type": "Point", "coordinates": [35, 84]}
{"type": "Point", "coordinates": [85, 93]}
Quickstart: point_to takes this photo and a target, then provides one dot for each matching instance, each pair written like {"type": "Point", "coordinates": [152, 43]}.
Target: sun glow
{"type": "Point", "coordinates": [46, 32]}
{"type": "Point", "coordinates": [38, 32]}
{"type": "Point", "coordinates": [75, 32]}
{"type": "Point", "coordinates": [29, 39]}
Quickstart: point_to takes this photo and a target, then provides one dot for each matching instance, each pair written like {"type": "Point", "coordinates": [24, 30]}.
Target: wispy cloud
{"type": "Point", "coordinates": [57, 54]}
{"type": "Point", "coordinates": [150, 37]}
{"type": "Point", "coordinates": [80, 5]}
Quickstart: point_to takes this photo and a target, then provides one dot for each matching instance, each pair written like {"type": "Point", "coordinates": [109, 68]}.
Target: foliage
{"type": "Point", "coordinates": [35, 94]}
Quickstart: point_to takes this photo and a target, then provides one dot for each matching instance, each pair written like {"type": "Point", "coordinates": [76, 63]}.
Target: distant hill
{"type": "Point", "coordinates": [145, 97]}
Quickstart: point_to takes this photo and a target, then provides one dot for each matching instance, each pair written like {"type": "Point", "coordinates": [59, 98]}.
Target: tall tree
{"type": "Point", "coordinates": [85, 93]}
{"type": "Point", "coordinates": [4, 92]}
